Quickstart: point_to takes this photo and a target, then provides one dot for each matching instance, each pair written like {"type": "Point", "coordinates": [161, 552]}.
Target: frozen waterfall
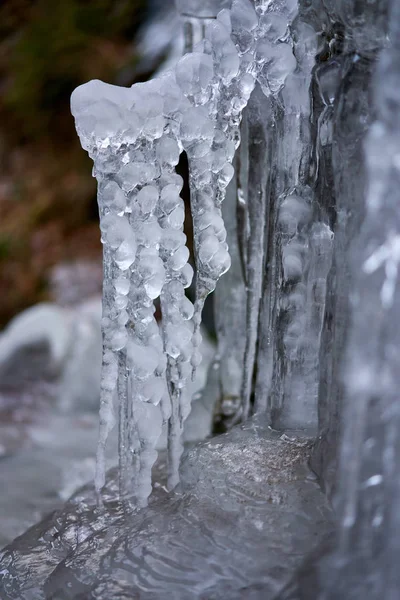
{"type": "Point", "coordinates": [289, 114]}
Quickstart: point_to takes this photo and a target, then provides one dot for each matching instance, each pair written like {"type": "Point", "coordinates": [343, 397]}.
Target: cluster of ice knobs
{"type": "Point", "coordinates": [135, 137]}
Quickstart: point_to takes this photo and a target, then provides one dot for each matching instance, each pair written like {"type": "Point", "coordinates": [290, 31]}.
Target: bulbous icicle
{"type": "Point", "coordinates": [135, 136]}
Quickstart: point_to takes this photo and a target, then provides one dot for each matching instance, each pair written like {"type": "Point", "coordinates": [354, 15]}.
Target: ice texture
{"type": "Point", "coordinates": [343, 112]}
{"type": "Point", "coordinates": [272, 106]}
{"type": "Point", "coordinates": [368, 488]}
{"type": "Point", "coordinates": [135, 137]}
{"type": "Point", "coordinates": [285, 238]}
{"type": "Point", "coordinates": [198, 543]}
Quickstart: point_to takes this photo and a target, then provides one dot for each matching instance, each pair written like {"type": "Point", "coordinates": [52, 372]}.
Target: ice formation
{"type": "Point", "coordinates": [369, 477]}
{"type": "Point", "coordinates": [135, 137]}
{"type": "Point", "coordinates": [307, 316]}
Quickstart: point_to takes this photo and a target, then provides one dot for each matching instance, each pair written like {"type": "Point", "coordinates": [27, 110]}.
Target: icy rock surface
{"type": "Point", "coordinates": [244, 495]}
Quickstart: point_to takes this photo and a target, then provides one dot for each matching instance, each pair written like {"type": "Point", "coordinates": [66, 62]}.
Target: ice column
{"type": "Point", "coordinates": [369, 490]}
{"type": "Point", "coordinates": [135, 150]}
{"type": "Point", "coordinates": [288, 250]}
{"type": "Point", "coordinates": [342, 104]}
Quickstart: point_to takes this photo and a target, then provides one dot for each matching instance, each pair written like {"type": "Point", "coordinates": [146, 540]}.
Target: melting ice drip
{"type": "Point", "coordinates": [135, 137]}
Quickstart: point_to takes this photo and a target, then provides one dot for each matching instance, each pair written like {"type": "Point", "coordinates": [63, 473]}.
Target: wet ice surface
{"type": "Point", "coordinates": [47, 445]}
{"type": "Point", "coordinates": [56, 458]}
{"type": "Point", "coordinates": [247, 512]}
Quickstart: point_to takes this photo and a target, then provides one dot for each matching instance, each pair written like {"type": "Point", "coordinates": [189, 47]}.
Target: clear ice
{"type": "Point", "coordinates": [289, 114]}
{"type": "Point", "coordinates": [135, 137]}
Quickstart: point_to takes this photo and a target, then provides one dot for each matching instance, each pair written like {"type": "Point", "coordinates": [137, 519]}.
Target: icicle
{"type": "Point", "coordinates": [258, 119]}
{"type": "Point", "coordinates": [135, 137]}
{"type": "Point", "coordinates": [137, 227]}
{"type": "Point", "coordinates": [230, 319]}
{"type": "Point", "coordinates": [288, 339]}
{"type": "Point", "coordinates": [108, 382]}
{"type": "Point", "coordinates": [275, 64]}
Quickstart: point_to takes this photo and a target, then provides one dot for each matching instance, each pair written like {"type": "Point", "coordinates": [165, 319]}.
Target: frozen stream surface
{"type": "Point", "coordinates": [246, 513]}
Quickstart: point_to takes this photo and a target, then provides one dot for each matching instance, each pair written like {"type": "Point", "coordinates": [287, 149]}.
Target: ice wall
{"type": "Point", "coordinates": [343, 112]}
{"type": "Point", "coordinates": [369, 473]}
{"type": "Point", "coordinates": [361, 386]}
{"type": "Point", "coordinates": [282, 238]}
